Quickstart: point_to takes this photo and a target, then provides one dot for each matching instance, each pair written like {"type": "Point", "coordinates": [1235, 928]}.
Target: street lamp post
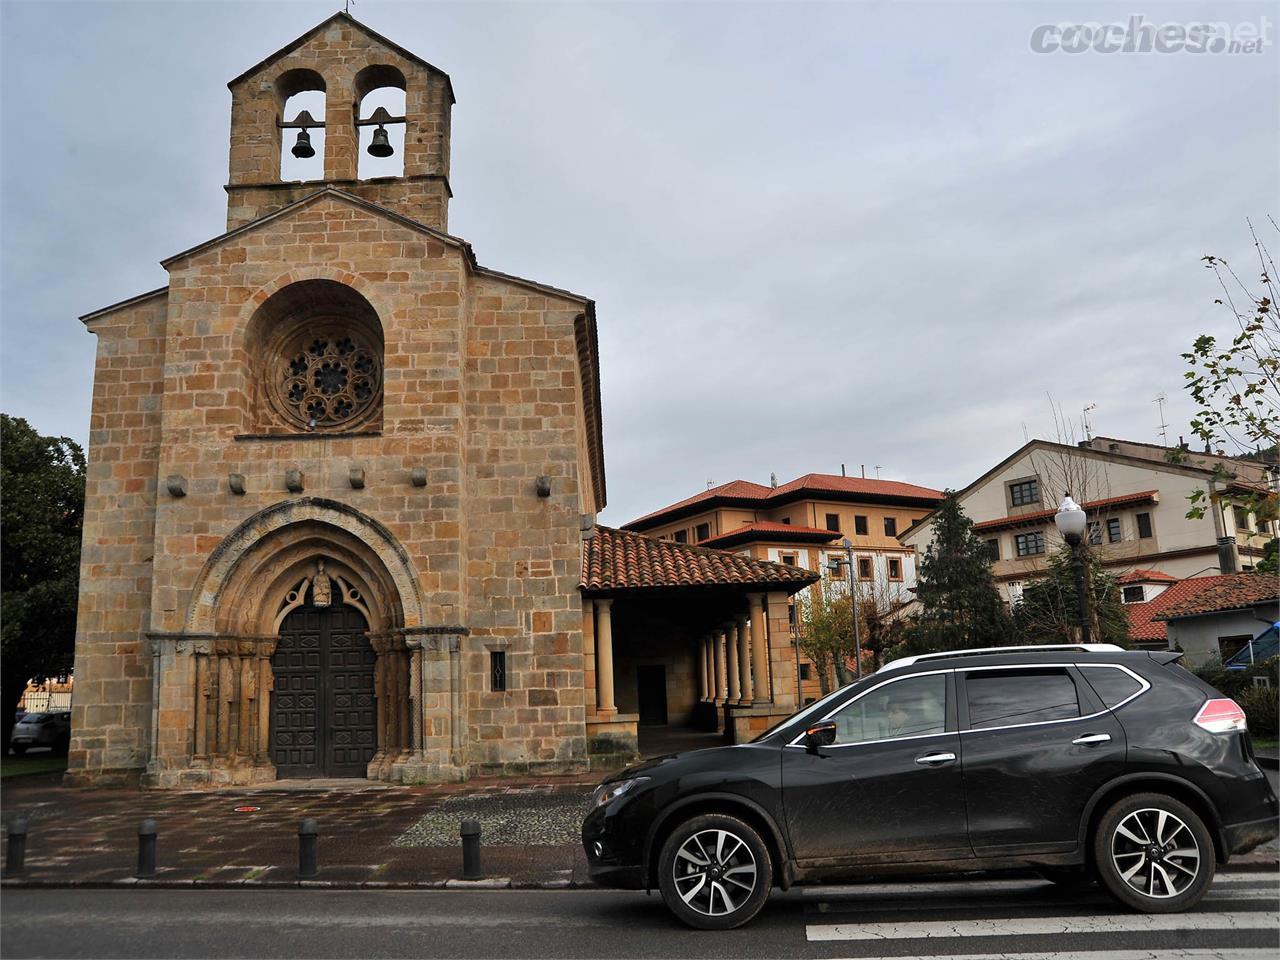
{"type": "Point", "coordinates": [853, 608]}
{"type": "Point", "coordinates": [1071, 522]}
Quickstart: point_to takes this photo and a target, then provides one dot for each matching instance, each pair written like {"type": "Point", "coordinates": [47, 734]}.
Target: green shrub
{"type": "Point", "coordinates": [1263, 710]}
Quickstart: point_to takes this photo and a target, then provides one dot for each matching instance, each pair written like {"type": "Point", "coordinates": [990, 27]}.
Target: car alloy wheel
{"type": "Point", "coordinates": [714, 872]}
{"type": "Point", "coordinates": [1155, 853]}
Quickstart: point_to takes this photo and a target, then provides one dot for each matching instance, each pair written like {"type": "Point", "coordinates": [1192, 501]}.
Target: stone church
{"type": "Point", "coordinates": [343, 480]}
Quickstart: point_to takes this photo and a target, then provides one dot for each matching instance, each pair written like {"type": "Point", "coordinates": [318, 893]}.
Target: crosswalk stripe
{"type": "Point", "coordinates": [1231, 953]}
{"type": "Point", "coordinates": [887, 904]}
{"type": "Point", "coordinates": [1251, 878]}
{"type": "Point", "coordinates": [1033, 926]}
{"type": "Point", "coordinates": [1270, 880]}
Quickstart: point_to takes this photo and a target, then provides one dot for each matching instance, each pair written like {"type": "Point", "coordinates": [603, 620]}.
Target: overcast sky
{"type": "Point", "coordinates": [880, 234]}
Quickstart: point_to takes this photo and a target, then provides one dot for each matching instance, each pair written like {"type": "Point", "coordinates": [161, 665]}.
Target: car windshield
{"type": "Point", "coordinates": [37, 718]}
{"type": "Point", "coordinates": [811, 710]}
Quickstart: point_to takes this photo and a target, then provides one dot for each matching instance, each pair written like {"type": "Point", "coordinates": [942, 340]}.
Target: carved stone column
{"type": "Point", "coordinates": [204, 688]}
{"type": "Point", "coordinates": [227, 679]}
{"type": "Point", "coordinates": [406, 701]}
{"type": "Point", "coordinates": [717, 661]}
{"type": "Point", "coordinates": [266, 683]}
{"type": "Point", "coordinates": [379, 644]}
{"type": "Point", "coordinates": [393, 699]}
{"type": "Point", "coordinates": [247, 743]}
{"type": "Point", "coordinates": [415, 692]}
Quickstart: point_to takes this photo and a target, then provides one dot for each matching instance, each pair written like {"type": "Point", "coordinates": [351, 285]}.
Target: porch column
{"type": "Point", "coordinates": [759, 655]}
{"type": "Point", "coordinates": [708, 671]}
{"type": "Point", "coordinates": [731, 661]}
{"type": "Point", "coordinates": [744, 659]}
{"type": "Point", "coordinates": [717, 655]}
{"type": "Point", "coordinates": [604, 658]}
{"type": "Point", "coordinates": [703, 673]}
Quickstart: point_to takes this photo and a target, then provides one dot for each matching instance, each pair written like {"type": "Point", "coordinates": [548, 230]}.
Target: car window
{"type": "Point", "coordinates": [1111, 685]}
{"type": "Point", "coordinates": [911, 707]}
{"type": "Point", "coordinates": [808, 713]}
{"type": "Point", "coordinates": [1002, 698]}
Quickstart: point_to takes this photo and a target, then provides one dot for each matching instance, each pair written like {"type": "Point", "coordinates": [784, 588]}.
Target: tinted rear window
{"type": "Point", "coordinates": [1111, 685]}
{"type": "Point", "coordinates": [1006, 698]}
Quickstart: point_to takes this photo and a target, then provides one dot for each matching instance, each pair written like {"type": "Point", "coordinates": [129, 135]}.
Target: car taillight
{"type": "Point", "coordinates": [1221, 716]}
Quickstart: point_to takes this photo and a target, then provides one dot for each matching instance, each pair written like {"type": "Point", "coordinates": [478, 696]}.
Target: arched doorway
{"type": "Point", "coordinates": [323, 711]}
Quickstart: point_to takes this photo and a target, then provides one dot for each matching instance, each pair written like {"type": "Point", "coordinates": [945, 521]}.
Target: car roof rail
{"type": "Point", "coordinates": [989, 651]}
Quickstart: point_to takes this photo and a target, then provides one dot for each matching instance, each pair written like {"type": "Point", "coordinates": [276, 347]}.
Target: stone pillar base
{"type": "Point", "coordinates": [121, 777]}
{"type": "Point", "coordinates": [425, 771]}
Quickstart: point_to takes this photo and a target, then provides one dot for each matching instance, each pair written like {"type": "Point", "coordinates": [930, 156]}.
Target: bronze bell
{"type": "Point", "coordinates": [380, 145]}
{"type": "Point", "coordinates": [303, 148]}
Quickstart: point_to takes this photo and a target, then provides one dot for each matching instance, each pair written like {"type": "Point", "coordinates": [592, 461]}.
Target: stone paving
{"type": "Point", "coordinates": [370, 834]}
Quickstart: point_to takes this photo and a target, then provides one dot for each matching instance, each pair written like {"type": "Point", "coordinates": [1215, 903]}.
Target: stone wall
{"type": "Point", "coordinates": [111, 708]}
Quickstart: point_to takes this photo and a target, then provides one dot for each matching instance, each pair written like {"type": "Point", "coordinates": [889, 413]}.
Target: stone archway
{"type": "Point", "coordinates": [306, 553]}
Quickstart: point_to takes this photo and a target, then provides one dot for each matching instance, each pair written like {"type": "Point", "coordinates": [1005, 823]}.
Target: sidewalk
{"type": "Point", "coordinates": [370, 834]}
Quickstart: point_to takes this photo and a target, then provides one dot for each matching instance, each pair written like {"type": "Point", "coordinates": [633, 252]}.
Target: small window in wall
{"type": "Point", "coordinates": [682, 536]}
{"type": "Point", "coordinates": [895, 568]}
{"type": "Point", "coordinates": [864, 568]}
{"type": "Point", "coordinates": [1144, 525]}
{"type": "Point", "coordinates": [1113, 530]}
{"type": "Point", "coordinates": [993, 549]}
{"type": "Point", "coordinates": [806, 671]}
{"type": "Point", "coordinates": [791, 615]}
{"type": "Point", "coordinates": [890, 526]}
{"type": "Point", "coordinates": [1228, 647]}
{"type": "Point", "coordinates": [1095, 532]}
{"type": "Point", "coordinates": [860, 526]}
{"type": "Point", "coordinates": [786, 521]}
{"type": "Point", "coordinates": [833, 522]}
{"type": "Point", "coordinates": [498, 671]}
{"type": "Point", "coordinates": [1133, 594]}
{"type": "Point", "coordinates": [1242, 519]}
{"type": "Point", "coordinates": [1029, 544]}
{"type": "Point", "coordinates": [702, 532]}
{"type": "Point", "coordinates": [789, 559]}
{"type": "Point", "coordinates": [1024, 492]}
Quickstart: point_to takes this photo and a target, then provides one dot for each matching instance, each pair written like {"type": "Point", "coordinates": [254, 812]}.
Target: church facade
{"type": "Point", "coordinates": [342, 479]}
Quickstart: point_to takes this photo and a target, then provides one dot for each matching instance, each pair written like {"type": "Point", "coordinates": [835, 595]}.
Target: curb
{"type": "Point", "coordinates": [492, 883]}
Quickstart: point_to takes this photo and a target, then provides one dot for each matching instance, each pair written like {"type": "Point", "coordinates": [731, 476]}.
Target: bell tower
{"type": "Point", "coordinates": [345, 62]}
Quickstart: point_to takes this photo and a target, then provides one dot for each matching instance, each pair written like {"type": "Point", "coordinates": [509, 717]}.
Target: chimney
{"type": "Point", "coordinates": [864, 471]}
{"type": "Point", "coordinates": [1227, 554]}
{"type": "Point", "coordinates": [842, 473]}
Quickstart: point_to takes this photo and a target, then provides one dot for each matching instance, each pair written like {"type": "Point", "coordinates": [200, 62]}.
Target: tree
{"type": "Point", "coordinates": [959, 603]}
{"type": "Point", "coordinates": [41, 516]}
{"type": "Point", "coordinates": [1236, 385]}
{"type": "Point", "coordinates": [825, 630]}
{"type": "Point", "coordinates": [1049, 610]}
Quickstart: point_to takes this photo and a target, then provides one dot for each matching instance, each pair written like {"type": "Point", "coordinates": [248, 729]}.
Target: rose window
{"type": "Point", "coordinates": [330, 380]}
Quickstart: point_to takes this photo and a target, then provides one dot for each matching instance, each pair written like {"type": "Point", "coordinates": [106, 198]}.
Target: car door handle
{"type": "Point", "coordinates": [1092, 739]}
{"type": "Point", "coordinates": [934, 759]}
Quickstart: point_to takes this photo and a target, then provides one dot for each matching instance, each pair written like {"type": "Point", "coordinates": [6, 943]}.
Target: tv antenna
{"type": "Point", "coordinates": [1084, 415]}
{"type": "Point", "coordinates": [1160, 401]}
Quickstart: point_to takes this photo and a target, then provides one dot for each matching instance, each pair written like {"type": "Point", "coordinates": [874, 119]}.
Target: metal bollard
{"type": "Point", "coordinates": [471, 850]}
{"type": "Point", "coordinates": [146, 850]}
{"type": "Point", "coordinates": [16, 853]}
{"type": "Point", "coordinates": [308, 849]}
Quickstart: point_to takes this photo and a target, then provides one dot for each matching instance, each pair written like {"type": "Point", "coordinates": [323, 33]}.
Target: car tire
{"type": "Point", "coordinates": [1154, 853]}
{"type": "Point", "coordinates": [705, 867]}
{"type": "Point", "coordinates": [1069, 878]}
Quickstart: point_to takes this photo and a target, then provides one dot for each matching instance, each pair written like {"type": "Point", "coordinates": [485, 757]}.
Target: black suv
{"type": "Point", "coordinates": [1084, 762]}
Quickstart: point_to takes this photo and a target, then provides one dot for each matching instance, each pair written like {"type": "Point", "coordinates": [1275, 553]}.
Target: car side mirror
{"type": "Point", "coordinates": [819, 735]}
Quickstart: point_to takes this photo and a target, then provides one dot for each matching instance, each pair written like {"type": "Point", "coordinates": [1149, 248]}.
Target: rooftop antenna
{"type": "Point", "coordinates": [1164, 427]}
{"type": "Point", "coordinates": [877, 471]}
{"type": "Point", "coordinates": [773, 481]}
{"type": "Point", "coordinates": [1084, 415]}
{"type": "Point", "coordinates": [347, 5]}
{"type": "Point", "coordinates": [710, 483]}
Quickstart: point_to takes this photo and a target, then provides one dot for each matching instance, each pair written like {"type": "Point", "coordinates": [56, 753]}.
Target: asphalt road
{"type": "Point", "coordinates": [1014, 919]}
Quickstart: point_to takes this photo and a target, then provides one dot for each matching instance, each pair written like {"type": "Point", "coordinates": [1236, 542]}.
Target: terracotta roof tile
{"type": "Point", "coordinates": [1146, 620]}
{"type": "Point", "coordinates": [621, 560]}
{"type": "Point", "coordinates": [769, 530]}
{"type": "Point", "coordinates": [815, 483]}
{"type": "Point", "coordinates": [1147, 576]}
{"type": "Point", "coordinates": [1236, 591]}
{"type": "Point", "coordinates": [1152, 496]}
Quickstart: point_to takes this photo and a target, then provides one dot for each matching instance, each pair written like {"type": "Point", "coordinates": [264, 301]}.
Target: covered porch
{"type": "Point", "coordinates": [686, 647]}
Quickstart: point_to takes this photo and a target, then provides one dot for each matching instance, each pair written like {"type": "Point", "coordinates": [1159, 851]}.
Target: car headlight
{"type": "Point", "coordinates": [611, 791]}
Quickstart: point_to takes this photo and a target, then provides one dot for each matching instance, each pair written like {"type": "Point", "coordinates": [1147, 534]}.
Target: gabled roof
{"type": "Point", "coordinates": [1146, 576]}
{"type": "Point", "coordinates": [770, 532]}
{"type": "Point", "coordinates": [340, 17]}
{"type": "Point", "coordinates": [619, 560]}
{"type": "Point", "coordinates": [812, 486]}
{"type": "Point", "coordinates": [1091, 506]}
{"type": "Point", "coordinates": [1234, 591]}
